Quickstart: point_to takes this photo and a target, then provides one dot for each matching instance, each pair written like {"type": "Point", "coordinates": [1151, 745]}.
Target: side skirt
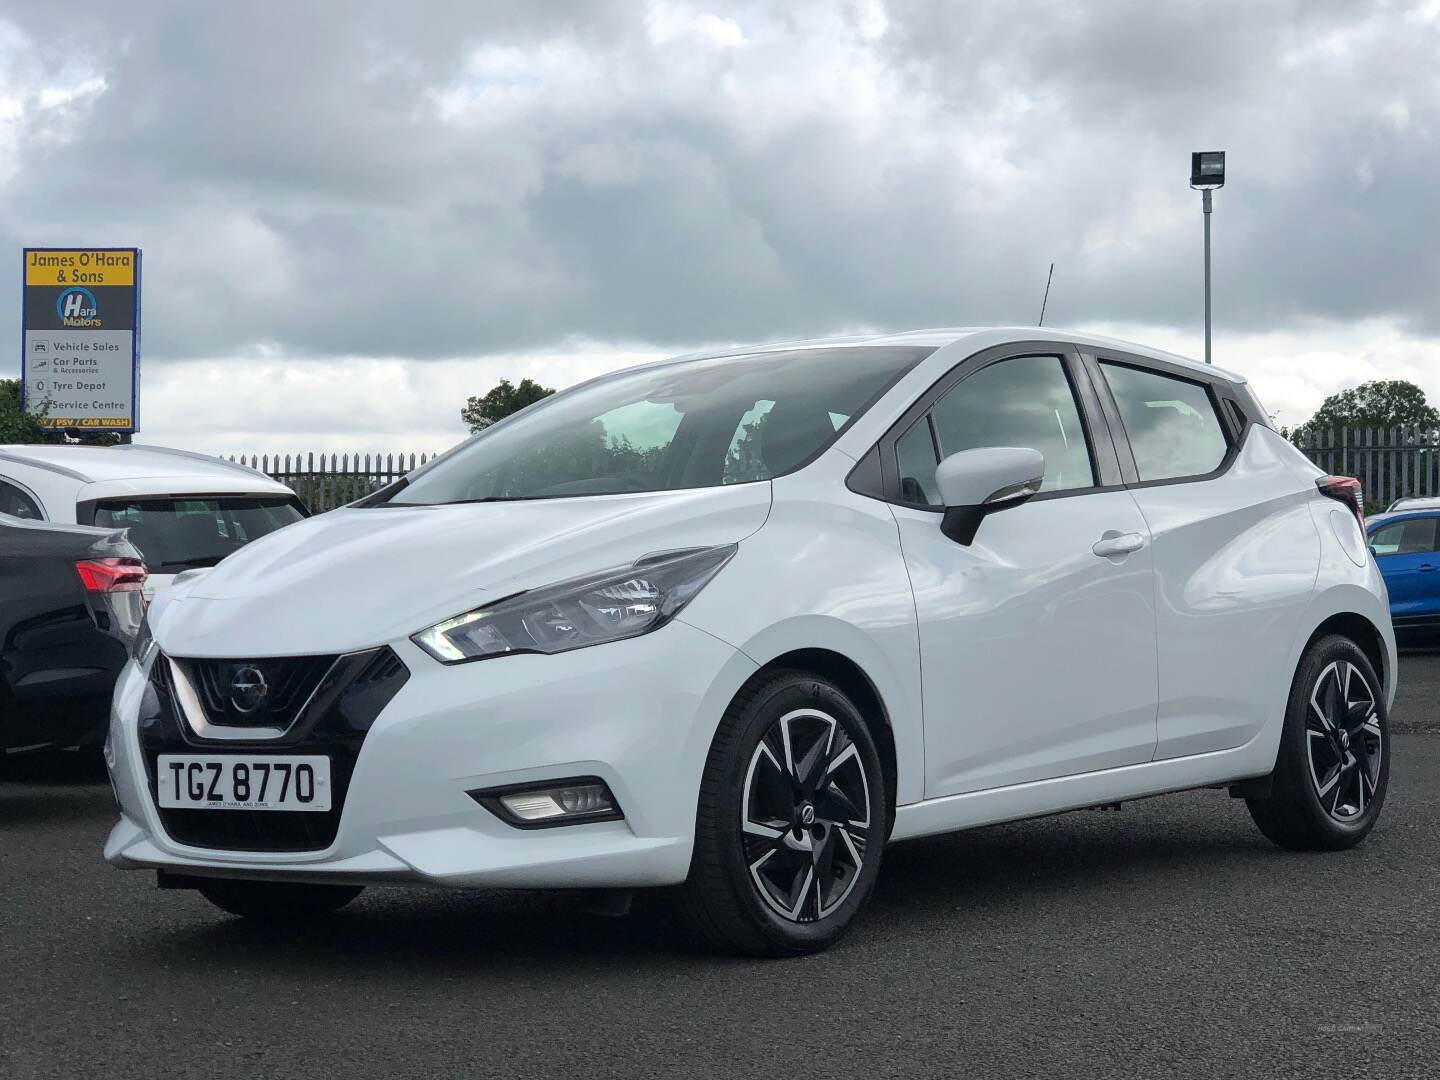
{"type": "Point", "coordinates": [1040, 797]}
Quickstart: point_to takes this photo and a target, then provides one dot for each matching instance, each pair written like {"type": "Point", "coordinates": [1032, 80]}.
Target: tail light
{"type": "Point", "coordinates": [1345, 489]}
{"type": "Point", "coordinates": [111, 575]}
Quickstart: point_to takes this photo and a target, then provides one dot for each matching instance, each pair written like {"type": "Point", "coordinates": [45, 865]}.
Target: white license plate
{"type": "Point", "coordinates": [244, 782]}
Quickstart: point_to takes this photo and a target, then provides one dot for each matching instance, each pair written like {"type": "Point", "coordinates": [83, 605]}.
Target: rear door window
{"type": "Point", "coordinates": [175, 534]}
{"type": "Point", "coordinates": [18, 504]}
{"type": "Point", "coordinates": [1405, 537]}
{"type": "Point", "coordinates": [1171, 423]}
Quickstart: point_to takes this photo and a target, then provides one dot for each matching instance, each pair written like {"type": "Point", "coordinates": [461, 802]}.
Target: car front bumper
{"type": "Point", "coordinates": [639, 714]}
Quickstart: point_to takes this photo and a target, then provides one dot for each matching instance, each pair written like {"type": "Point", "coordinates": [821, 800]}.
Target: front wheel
{"type": "Point", "coordinates": [1333, 768]}
{"type": "Point", "coordinates": [792, 818]}
{"type": "Point", "coordinates": [276, 901]}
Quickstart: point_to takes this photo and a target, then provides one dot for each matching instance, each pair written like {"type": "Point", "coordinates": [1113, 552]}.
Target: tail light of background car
{"type": "Point", "coordinates": [111, 575]}
{"type": "Point", "coordinates": [1345, 489]}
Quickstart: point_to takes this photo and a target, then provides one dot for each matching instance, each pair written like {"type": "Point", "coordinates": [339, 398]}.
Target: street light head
{"type": "Point", "coordinates": [1207, 169]}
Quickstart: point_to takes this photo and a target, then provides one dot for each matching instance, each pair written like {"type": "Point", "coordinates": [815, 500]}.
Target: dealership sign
{"type": "Point", "coordinates": [80, 353]}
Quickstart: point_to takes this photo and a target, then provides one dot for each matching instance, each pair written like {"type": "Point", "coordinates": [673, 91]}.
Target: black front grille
{"type": "Point", "coordinates": [264, 693]}
{"type": "Point", "coordinates": [334, 718]}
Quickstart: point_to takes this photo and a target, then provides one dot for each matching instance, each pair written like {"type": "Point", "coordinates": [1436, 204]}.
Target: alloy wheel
{"type": "Point", "coordinates": [805, 816]}
{"type": "Point", "coordinates": [1343, 741]}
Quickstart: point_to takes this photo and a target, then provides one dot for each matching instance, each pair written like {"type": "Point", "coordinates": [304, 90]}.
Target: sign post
{"type": "Point", "coordinates": [80, 353]}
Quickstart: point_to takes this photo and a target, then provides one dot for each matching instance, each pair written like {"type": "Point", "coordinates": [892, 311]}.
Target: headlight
{"type": "Point", "coordinates": [621, 603]}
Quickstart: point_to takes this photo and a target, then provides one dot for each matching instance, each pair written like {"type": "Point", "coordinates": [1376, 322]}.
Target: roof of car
{"type": "Point", "coordinates": [992, 335]}
{"type": "Point", "coordinates": [93, 464]}
{"type": "Point", "coordinates": [1430, 509]}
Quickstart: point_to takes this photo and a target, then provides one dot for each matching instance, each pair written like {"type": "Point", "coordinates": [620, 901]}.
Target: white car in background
{"type": "Point", "coordinates": [1414, 502]}
{"type": "Point", "coordinates": [182, 510]}
{"type": "Point", "coordinates": [733, 623]}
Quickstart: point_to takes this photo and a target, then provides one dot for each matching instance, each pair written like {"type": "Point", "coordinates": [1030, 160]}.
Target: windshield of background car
{"type": "Point", "coordinates": [175, 534]}
{"type": "Point", "coordinates": [698, 423]}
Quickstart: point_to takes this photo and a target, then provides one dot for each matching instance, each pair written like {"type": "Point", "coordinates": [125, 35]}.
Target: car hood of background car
{"type": "Point", "coordinates": [354, 579]}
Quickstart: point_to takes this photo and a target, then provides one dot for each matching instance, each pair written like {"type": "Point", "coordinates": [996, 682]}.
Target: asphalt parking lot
{"type": "Point", "coordinates": [1169, 937]}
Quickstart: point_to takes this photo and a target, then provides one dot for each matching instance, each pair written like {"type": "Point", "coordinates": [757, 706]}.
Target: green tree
{"type": "Point", "coordinates": [502, 400]}
{"type": "Point", "coordinates": [743, 461]}
{"type": "Point", "coordinates": [16, 425]}
{"type": "Point", "coordinates": [1382, 403]}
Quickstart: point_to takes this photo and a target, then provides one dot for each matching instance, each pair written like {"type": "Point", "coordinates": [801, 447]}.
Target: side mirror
{"type": "Point", "coordinates": [974, 483]}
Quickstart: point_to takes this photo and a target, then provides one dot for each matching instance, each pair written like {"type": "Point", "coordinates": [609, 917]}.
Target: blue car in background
{"type": "Point", "coordinates": [1406, 543]}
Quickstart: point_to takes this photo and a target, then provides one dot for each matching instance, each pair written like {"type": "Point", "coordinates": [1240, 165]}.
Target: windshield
{"type": "Point", "coordinates": [180, 534]}
{"type": "Point", "coordinates": [699, 423]}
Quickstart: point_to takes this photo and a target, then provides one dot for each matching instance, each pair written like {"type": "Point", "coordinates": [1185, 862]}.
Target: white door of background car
{"type": "Point", "coordinates": [1037, 640]}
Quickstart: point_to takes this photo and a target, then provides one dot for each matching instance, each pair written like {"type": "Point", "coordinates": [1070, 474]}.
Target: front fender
{"type": "Point", "coordinates": [826, 572]}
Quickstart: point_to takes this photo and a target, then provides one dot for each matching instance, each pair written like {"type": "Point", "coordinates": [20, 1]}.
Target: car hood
{"type": "Point", "coordinates": [353, 579]}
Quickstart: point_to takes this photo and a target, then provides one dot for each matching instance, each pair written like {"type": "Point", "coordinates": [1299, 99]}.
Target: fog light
{"type": "Point", "coordinates": [550, 803]}
{"type": "Point", "coordinates": [539, 805]}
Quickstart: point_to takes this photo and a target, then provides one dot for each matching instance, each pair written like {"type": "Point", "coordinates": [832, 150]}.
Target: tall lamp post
{"type": "Point", "coordinates": [1207, 172]}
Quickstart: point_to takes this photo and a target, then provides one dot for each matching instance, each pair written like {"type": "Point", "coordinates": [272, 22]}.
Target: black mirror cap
{"type": "Point", "coordinates": [961, 523]}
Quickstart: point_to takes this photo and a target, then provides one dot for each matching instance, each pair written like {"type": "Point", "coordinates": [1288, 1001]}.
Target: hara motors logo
{"type": "Point", "coordinates": [76, 307]}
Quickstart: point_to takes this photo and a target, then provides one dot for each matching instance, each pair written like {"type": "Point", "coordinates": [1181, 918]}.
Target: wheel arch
{"type": "Point", "coordinates": [1365, 634]}
{"type": "Point", "coordinates": [858, 686]}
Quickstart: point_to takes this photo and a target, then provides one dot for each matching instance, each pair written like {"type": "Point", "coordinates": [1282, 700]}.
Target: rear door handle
{"type": "Point", "coordinates": [1425, 567]}
{"type": "Point", "coordinates": [1114, 543]}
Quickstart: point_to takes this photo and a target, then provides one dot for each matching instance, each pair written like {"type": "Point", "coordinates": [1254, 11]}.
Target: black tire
{"type": "Point", "coordinates": [1302, 812]}
{"type": "Point", "coordinates": [736, 911]}
{"type": "Point", "coordinates": [277, 901]}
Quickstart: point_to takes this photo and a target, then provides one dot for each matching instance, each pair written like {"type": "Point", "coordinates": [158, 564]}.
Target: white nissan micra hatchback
{"type": "Point", "coordinates": [732, 623]}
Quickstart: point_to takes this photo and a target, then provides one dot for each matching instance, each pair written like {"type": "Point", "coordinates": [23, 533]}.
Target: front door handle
{"type": "Point", "coordinates": [1114, 544]}
{"type": "Point", "coordinates": [1425, 567]}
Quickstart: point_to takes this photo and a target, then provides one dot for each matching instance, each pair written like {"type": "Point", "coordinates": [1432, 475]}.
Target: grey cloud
{"type": "Point", "coordinates": [296, 181]}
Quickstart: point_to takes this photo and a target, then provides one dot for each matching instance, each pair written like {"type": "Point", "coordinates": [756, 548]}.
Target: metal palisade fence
{"type": "Point", "coordinates": [1390, 463]}
{"type": "Point", "coordinates": [325, 481]}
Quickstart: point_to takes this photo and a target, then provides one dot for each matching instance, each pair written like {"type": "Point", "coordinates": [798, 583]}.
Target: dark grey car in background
{"type": "Point", "coordinates": [70, 606]}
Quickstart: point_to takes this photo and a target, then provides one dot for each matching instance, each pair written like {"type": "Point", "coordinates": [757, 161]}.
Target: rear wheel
{"type": "Point", "coordinates": [792, 818]}
{"type": "Point", "coordinates": [1333, 768]}
{"type": "Point", "coordinates": [277, 901]}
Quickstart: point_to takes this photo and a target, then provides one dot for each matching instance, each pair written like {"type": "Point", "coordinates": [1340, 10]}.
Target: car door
{"type": "Point", "coordinates": [1236, 550]}
{"type": "Point", "coordinates": [1037, 640]}
{"type": "Point", "coordinates": [1405, 551]}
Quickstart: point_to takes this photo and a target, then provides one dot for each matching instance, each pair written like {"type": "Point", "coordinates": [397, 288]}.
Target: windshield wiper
{"type": "Point", "coordinates": [466, 502]}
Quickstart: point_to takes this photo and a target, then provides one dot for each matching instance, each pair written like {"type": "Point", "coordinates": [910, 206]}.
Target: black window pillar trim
{"type": "Point", "coordinates": [1109, 472]}
{"type": "Point", "coordinates": [1129, 474]}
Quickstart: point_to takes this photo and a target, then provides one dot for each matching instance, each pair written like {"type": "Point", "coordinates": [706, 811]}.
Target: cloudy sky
{"type": "Point", "coordinates": [356, 214]}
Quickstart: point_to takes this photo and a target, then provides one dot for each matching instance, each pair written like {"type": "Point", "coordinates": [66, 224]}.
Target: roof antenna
{"type": "Point", "coordinates": [1047, 295]}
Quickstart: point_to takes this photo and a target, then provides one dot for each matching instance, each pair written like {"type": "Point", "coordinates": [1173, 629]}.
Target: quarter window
{"type": "Point", "coordinates": [915, 455]}
{"type": "Point", "coordinates": [16, 503]}
{"type": "Point", "coordinates": [1025, 401]}
{"type": "Point", "coordinates": [1404, 537]}
{"type": "Point", "coordinates": [1171, 423]}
